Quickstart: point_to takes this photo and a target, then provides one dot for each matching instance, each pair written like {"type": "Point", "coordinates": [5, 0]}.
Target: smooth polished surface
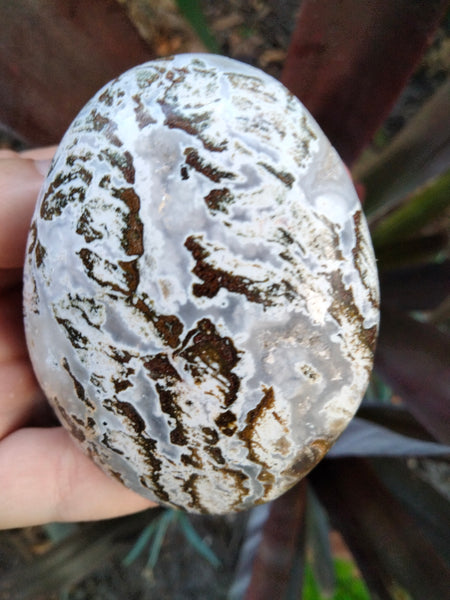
{"type": "Point", "coordinates": [201, 299]}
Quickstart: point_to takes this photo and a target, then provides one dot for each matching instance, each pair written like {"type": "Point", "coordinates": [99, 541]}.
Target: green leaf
{"type": "Point", "coordinates": [168, 517]}
{"type": "Point", "coordinates": [72, 559]}
{"type": "Point", "coordinates": [420, 151]}
{"type": "Point", "coordinates": [414, 251]}
{"type": "Point", "coordinates": [196, 541]}
{"type": "Point", "coordinates": [424, 206]}
{"type": "Point", "coordinates": [193, 13]}
{"type": "Point", "coordinates": [140, 544]}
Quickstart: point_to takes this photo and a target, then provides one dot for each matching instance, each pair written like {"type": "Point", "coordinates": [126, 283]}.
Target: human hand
{"type": "Point", "coordinates": [44, 476]}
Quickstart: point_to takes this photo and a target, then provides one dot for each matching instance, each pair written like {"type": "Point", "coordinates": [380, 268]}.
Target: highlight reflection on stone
{"type": "Point", "coordinates": [201, 299]}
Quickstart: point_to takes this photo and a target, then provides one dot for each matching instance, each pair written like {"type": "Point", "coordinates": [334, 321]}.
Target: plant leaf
{"type": "Point", "coordinates": [349, 60]}
{"type": "Point", "coordinates": [424, 206]}
{"type": "Point", "coordinates": [72, 559]}
{"type": "Point", "coordinates": [390, 550]}
{"type": "Point", "coordinates": [395, 418]}
{"type": "Point", "coordinates": [414, 251]}
{"type": "Point", "coordinates": [95, 42]}
{"type": "Point", "coordinates": [249, 548]}
{"type": "Point", "coordinates": [318, 542]}
{"type": "Point", "coordinates": [192, 12]}
{"type": "Point", "coordinates": [421, 287]}
{"type": "Point", "coordinates": [429, 508]}
{"type": "Point", "coordinates": [278, 564]}
{"type": "Point", "coordinates": [362, 438]}
{"type": "Point", "coordinates": [413, 357]}
{"type": "Point", "coordinates": [420, 151]}
{"type": "Point", "coordinates": [196, 541]}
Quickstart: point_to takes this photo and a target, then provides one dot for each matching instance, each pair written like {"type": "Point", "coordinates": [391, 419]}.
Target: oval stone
{"type": "Point", "coordinates": [200, 292]}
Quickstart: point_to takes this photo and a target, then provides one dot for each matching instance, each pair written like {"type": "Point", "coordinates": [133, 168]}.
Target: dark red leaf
{"type": "Point", "coordinates": [349, 60]}
{"type": "Point", "coordinates": [422, 287]}
{"type": "Point", "coordinates": [390, 550]}
{"type": "Point", "coordinates": [413, 357]}
{"type": "Point", "coordinates": [54, 56]}
{"type": "Point", "coordinates": [280, 547]}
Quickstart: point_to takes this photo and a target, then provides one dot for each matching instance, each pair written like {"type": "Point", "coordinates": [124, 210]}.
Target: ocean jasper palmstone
{"type": "Point", "coordinates": [201, 300]}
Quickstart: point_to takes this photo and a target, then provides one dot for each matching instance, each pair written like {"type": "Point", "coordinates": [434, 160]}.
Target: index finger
{"type": "Point", "coordinates": [21, 177]}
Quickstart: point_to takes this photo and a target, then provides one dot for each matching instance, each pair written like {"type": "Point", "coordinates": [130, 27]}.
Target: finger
{"type": "Point", "coordinates": [12, 334]}
{"type": "Point", "coordinates": [44, 154]}
{"type": "Point", "coordinates": [20, 396]}
{"type": "Point", "coordinates": [20, 182]}
{"type": "Point", "coordinates": [46, 478]}
{"type": "Point", "coordinates": [10, 278]}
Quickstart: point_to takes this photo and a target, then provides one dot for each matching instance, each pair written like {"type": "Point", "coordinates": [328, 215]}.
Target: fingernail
{"type": "Point", "coordinates": [43, 165]}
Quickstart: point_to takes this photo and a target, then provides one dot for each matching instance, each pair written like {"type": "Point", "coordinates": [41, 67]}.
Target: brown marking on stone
{"type": "Point", "coordinates": [195, 161]}
{"type": "Point", "coordinates": [169, 404]}
{"type": "Point", "coordinates": [79, 389]}
{"type": "Point", "coordinates": [54, 200]}
{"type": "Point", "coordinates": [210, 436]}
{"type": "Point", "coordinates": [121, 385]}
{"type": "Point", "coordinates": [85, 228]}
{"type": "Point", "coordinates": [193, 125]}
{"type": "Point", "coordinates": [357, 252]}
{"type": "Point", "coordinates": [77, 432]}
{"type": "Point", "coordinates": [215, 278]}
{"type": "Point", "coordinates": [123, 161]}
{"type": "Point", "coordinates": [33, 237]}
{"type": "Point", "coordinates": [247, 435]}
{"type": "Point", "coordinates": [100, 123]}
{"type": "Point", "coordinates": [208, 354]}
{"type": "Point", "coordinates": [344, 307]}
{"type": "Point", "coordinates": [184, 173]}
{"type": "Point", "coordinates": [105, 182]}
{"type": "Point", "coordinates": [130, 413]}
{"type": "Point", "coordinates": [164, 373]}
{"type": "Point", "coordinates": [190, 487]}
{"type": "Point", "coordinates": [85, 306]}
{"type": "Point", "coordinates": [107, 97]}
{"type": "Point", "coordinates": [286, 178]}
{"type": "Point", "coordinates": [77, 339]}
{"type": "Point", "coordinates": [192, 460]}
{"type": "Point", "coordinates": [121, 356]}
{"type": "Point", "coordinates": [227, 423]}
{"type": "Point", "coordinates": [160, 367]}
{"type": "Point", "coordinates": [133, 239]}
{"type": "Point", "coordinates": [308, 459]}
{"type": "Point", "coordinates": [147, 448]}
{"type": "Point", "coordinates": [108, 444]}
{"type": "Point", "coordinates": [143, 117]}
{"type": "Point", "coordinates": [116, 475]}
{"type": "Point", "coordinates": [129, 269]}
{"type": "Point", "coordinates": [239, 480]}
{"type": "Point", "coordinates": [216, 454]}
{"type": "Point", "coordinates": [40, 253]}
{"type": "Point", "coordinates": [169, 327]}
{"type": "Point", "coordinates": [73, 158]}
{"type": "Point", "coordinates": [218, 200]}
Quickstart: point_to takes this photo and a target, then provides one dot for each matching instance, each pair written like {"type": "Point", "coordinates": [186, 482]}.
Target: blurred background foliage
{"type": "Point", "coordinates": [371, 521]}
